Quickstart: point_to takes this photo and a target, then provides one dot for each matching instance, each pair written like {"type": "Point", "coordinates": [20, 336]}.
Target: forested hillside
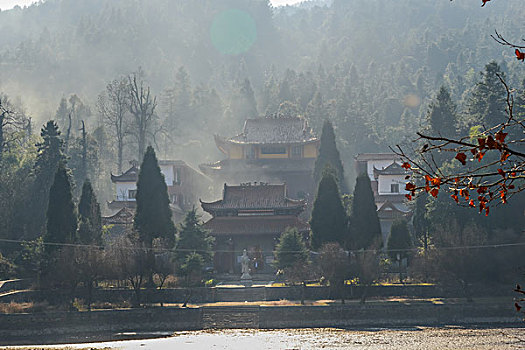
{"type": "Point", "coordinates": [371, 66]}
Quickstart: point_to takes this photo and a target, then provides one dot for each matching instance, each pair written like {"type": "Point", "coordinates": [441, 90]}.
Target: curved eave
{"type": "Point", "coordinates": [221, 143]}
{"type": "Point", "coordinates": [300, 142]}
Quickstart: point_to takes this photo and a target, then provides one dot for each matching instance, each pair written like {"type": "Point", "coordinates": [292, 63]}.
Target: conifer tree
{"type": "Point", "coordinates": [49, 156]}
{"type": "Point", "coordinates": [399, 240]}
{"type": "Point", "coordinates": [329, 155]}
{"type": "Point", "coordinates": [442, 114]}
{"type": "Point", "coordinates": [90, 226]}
{"type": "Point", "coordinates": [61, 213]}
{"type": "Point", "coordinates": [364, 228]}
{"type": "Point", "coordinates": [153, 216]}
{"type": "Point", "coordinates": [290, 250]}
{"type": "Point", "coordinates": [193, 238]}
{"type": "Point", "coordinates": [328, 222]}
{"type": "Point", "coordinates": [488, 100]}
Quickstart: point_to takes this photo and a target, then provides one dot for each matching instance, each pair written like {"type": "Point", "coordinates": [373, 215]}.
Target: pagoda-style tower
{"type": "Point", "coordinates": [270, 149]}
{"type": "Point", "coordinates": [251, 217]}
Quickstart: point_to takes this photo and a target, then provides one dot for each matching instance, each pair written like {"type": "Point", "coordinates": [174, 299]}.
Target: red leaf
{"type": "Point", "coordinates": [409, 197]}
{"type": "Point", "coordinates": [520, 56]}
{"type": "Point", "coordinates": [487, 209]}
{"type": "Point", "coordinates": [501, 172]}
{"type": "Point", "coordinates": [500, 136]}
{"type": "Point", "coordinates": [471, 203]}
{"type": "Point", "coordinates": [455, 197]}
{"type": "Point", "coordinates": [434, 192]}
{"type": "Point", "coordinates": [435, 181]}
{"type": "Point", "coordinates": [406, 165]}
{"type": "Point", "coordinates": [462, 157]}
{"type": "Point", "coordinates": [410, 186]}
{"type": "Point", "coordinates": [482, 189]}
{"type": "Point", "coordinates": [428, 178]}
{"type": "Point", "coordinates": [504, 156]}
{"type": "Point", "coordinates": [481, 142]}
{"type": "Point", "coordinates": [484, 2]}
{"type": "Point", "coordinates": [479, 156]}
{"type": "Point", "coordinates": [511, 187]}
{"type": "Point", "coordinates": [518, 307]}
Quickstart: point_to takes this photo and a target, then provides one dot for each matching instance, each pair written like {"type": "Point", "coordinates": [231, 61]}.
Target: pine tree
{"type": "Point", "coordinates": [49, 156]}
{"type": "Point", "coordinates": [153, 216]}
{"type": "Point", "coordinates": [364, 228]}
{"type": "Point", "coordinates": [61, 214]}
{"type": "Point", "coordinates": [290, 250]}
{"type": "Point", "coordinates": [193, 238]}
{"type": "Point", "coordinates": [90, 229]}
{"type": "Point", "coordinates": [329, 155]}
{"type": "Point", "coordinates": [442, 115]}
{"type": "Point", "coordinates": [329, 220]}
{"type": "Point", "coordinates": [399, 240]}
{"type": "Point", "coordinates": [488, 100]}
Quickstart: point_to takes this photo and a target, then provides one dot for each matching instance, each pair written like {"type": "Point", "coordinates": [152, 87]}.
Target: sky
{"type": "Point", "coordinates": [8, 4]}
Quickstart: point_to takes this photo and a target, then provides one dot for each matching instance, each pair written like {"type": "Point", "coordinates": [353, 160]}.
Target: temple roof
{"type": "Point", "coordinates": [256, 165]}
{"type": "Point", "coordinates": [253, 197]}
{"type": "Point", "coordinates": [123, 216]}
{"type": "Point", "coordinates": [271, 130]}
{"type": "Point", "coordinates": [254, 225]}
{"type": "Point", "coordinates": [130, 175]}
{"type": "Point", "coordinates": [392, 169]}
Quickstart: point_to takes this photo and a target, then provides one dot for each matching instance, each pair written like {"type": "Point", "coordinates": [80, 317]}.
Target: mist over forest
{"type": "Point", "coordinates": [370, 66]}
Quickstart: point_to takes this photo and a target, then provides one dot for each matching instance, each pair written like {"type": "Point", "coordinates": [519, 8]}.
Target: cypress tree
{"type": "Point", "coordinates": [90, 229]}
{"type": "Point", "coordinates": [329, 155]}
{"type": "Point", "coordinates": [364, 225]}
{"type": "Point", "coordinates": [61, 213]}
{"type": "Point", "coordinates": [48, 158]}
{"type": "Point", "coordinates": [399, 239]}
{"type": "Point", "coordinates": [328, 222]}
{"type": "Point", "coordinates": [153, 216]}
{"type": "Point", "coordinates": [193, 238]}
{"type": "Point", "coordinates": [442, 114]}
{"type": "Point", "coordinates": [291, 249]}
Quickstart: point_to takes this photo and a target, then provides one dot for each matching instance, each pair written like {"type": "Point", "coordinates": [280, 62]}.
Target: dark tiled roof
{"type": "Point", "coordinates": [275, 130]}
{"type": "Point", "coordinates": [122, 217]}
{"type": "Point", "coordinates": [254, 225]}
{"type": "Point", "coordinates": [253, 196]}
{"type": "Point", "coordinates": [259, 165]}
{"type": "Point", "coordinates": [392, 169]}
{"type": "Point", "coordinates": [131, 175]}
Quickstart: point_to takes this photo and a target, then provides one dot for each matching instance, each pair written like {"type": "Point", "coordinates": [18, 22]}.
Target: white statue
{"type": "Point", "coordinates": [245, 266]}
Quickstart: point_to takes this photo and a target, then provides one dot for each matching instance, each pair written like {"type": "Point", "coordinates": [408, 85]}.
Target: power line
{"type": "Point", "coordinates": [159, 250]}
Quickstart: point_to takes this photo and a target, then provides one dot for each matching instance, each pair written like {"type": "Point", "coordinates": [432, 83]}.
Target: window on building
{"type": "Point", "coordinates": [297, 151]}
{"type": "Point", "coordinates": [394, 188]}
{"type": "Point", "coordinates": [273, 150]}
{"type": "Point", "coordinates": [176, 179]}
{"type": "Point", "coordinates": [132, 194]}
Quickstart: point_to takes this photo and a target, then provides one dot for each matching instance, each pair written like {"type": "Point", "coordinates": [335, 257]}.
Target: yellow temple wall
{"type": "Point", "coordinates": [310, 150]}
{"type": "Point", "coordinates": [235, 151]}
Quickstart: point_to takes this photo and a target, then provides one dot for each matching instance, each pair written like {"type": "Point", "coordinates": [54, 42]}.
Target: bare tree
{"type": "Point", "coordinates": [113, 106]}
{"type": "Point", "coordinates": [142, 108]}
{"type": "Point", "coordinates": [12, 123]}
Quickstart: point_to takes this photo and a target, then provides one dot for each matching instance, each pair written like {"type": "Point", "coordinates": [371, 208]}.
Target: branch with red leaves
{"type": "Point", "coordinates": [491, 166]}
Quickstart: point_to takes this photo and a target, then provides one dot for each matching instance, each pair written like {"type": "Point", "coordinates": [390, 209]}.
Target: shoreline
{"type": "Point", "coordinates": [110, 325]}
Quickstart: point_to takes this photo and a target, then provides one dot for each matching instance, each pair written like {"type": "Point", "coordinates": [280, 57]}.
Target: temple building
{"type": "Point", "coordinates": [387, 178]}
{"type": "Point", "coordinates": [252, 217]}
{"type": "Point", "coordinates": [185, 186]}
{"type": "Point", "coordinates": [270, 149]}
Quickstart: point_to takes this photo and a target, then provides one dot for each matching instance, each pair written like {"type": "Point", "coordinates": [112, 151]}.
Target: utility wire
{"type": "Point", "coordinates": [122, 247]}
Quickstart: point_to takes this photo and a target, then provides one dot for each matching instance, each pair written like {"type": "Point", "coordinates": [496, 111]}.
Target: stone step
{"type": "Point", "coordinates": [240, 294]}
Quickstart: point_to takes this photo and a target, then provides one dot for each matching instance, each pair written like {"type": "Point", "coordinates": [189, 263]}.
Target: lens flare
{"type": "Point", "coordinates": [233, 32]}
